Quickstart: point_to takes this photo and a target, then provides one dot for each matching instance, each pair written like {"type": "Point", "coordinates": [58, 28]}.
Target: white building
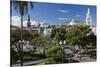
{"type": "Point", "coordinates": [42, 27]}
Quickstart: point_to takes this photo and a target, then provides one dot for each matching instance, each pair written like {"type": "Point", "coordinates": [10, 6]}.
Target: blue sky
{"type": "Point", "coordinates": [55, 13]}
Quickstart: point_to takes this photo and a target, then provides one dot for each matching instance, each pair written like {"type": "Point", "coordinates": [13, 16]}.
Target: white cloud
{"type": "Point", "coordinates": [33, 22]}
{"type": "Point", "coordinates": [63, 11]}
{"type": "Point", "coordinates": [62, 18]}
{"type": "Point", "coordinates": [78, 15]}
{"type": "Point", "coordinates": [16, 21]}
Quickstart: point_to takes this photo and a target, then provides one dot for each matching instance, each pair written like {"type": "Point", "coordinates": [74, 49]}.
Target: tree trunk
{"type": "Point", "coordinates": [21, 60]}
{"type": "Point", "coordinates": [11, 53]}
{"type": "Point", "coordinates": [44, 51]}
{"type": "Point", "coordinates": [80, 52]}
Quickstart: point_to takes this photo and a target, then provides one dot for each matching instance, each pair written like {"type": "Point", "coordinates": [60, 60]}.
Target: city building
{"type": "Point", "coordinates": [45, 29]}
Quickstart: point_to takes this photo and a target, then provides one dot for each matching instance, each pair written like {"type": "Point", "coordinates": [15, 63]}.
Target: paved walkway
{"type": "Point", "coordinates": [29, 63]}
{"type": "Point", "coordinates": [84, 59]}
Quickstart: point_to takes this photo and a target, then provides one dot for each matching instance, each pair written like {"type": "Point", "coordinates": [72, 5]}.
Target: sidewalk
{"type": "Point", "coordinates": [29, 63]}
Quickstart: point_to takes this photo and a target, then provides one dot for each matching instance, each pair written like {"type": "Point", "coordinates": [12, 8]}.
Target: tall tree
{"type": "Point", "coordinates": [22, 8]}
{"type": "Point", "coordinates": [41, 41]}
{"type": "Point", "coordinates": [91, 48]}
{"type": "Point", "coordinates": [76, 34]}
{"type": "Point", "coordinates": [58, 33]}
{"type": "Point", "coordinates": [15, 38]}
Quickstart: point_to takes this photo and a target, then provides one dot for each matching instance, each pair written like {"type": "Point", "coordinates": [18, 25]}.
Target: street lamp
{"type": "Point", "coordinates": [62, 43]}
{"type": "Point", "coordinates": [21, 50]}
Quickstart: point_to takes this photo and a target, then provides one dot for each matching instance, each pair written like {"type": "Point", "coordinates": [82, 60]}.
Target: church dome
{"type": "Point", "coordinates": [72, 22]}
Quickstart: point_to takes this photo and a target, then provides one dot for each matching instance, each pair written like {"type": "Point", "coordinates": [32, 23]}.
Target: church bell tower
{"type": "Point", "coordinates": [28, 23]}
{"type": "Point", "coordinates": [88, 18]}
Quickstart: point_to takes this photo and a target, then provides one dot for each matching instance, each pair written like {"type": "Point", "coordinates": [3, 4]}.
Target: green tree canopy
{"type": "Point", "coordinates": [75, 34]}
{"type": "Point", "coordinates": [91, 39]}
{"type": "Point", "coordinates": [41, 41]}
{"type": "Point", "coordinates": [15, 35]}
{"type": "Point", "coordinates": [55, 53]}
{"type": "Point", "coordinates": [58, 33]}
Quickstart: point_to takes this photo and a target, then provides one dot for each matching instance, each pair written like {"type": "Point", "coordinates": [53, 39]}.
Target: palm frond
{"type": "Point", "coordinates": [22, 6]}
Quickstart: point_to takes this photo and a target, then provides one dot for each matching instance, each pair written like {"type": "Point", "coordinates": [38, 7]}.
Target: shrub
{"type": "Point", "coordinates": [54, 54]}
{"type": "Point", "coordinates": [51, 61]}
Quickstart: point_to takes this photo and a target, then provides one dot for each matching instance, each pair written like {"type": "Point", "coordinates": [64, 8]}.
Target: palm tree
{"type": "Point", "coordinates": [22, 8]}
